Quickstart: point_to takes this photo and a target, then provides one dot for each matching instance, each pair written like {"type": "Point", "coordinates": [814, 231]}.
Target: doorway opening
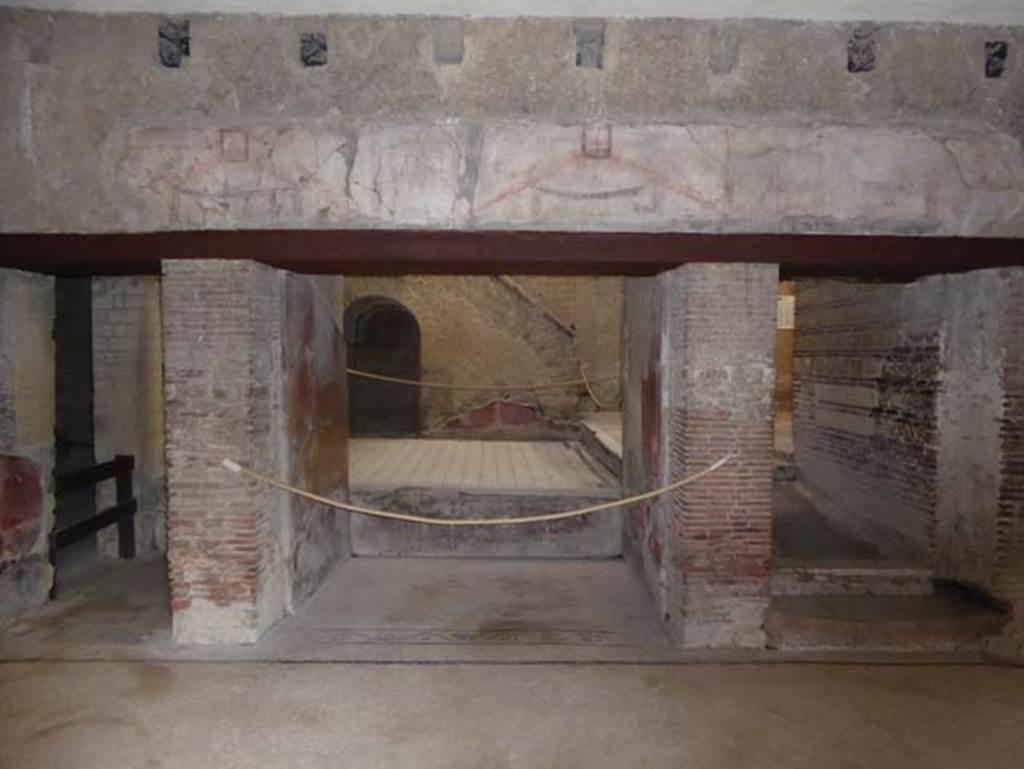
{"type": "Point", "coordinates": [854, 495]}
{"type": "Point", "coordinates": [108, 540]}
{"type": "Point", "coordinates": [74, 428]}
{"type": "Point", "coordinates": [382, 337]}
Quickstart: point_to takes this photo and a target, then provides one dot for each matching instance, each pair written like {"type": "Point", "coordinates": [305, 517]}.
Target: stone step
{"type": "Point", "coordinates": [940, 622]}
{"type": "Point", "coordinates": [852, 579]}
{"type": "Point", "coordinates": [603, 444]}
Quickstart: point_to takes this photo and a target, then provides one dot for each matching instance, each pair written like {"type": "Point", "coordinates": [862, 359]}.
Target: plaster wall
{"type": "Point", "coordinates": [644, 464]}
{"type": "Point", "coordinates": [315, 401]}
{"type": "Point", "coordinates": [906, 427]}
{"type": "Point", "coordinates": [1009, 529]}
{"type": "Point", "coordinates": [689, 125]}
{"type": "Point", "coordinates": [27, 382]}
{"type": "Point", "coordinates": [979, 11]}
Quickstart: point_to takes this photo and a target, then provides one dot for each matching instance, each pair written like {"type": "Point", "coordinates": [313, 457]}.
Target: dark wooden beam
{"type": "Point", "coordinates": [381, 252]}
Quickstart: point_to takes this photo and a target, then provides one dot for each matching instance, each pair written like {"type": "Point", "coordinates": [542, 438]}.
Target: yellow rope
{"type": "Point", "coordinates": [487, 388]}
{"type": "Point", "coordinates": [237, 468]}
{"type": "Point", "coordinates": [590, 390]}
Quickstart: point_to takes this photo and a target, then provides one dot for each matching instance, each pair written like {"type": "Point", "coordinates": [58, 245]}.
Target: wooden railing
{"type": "Point", "coordinates": [122, 513]}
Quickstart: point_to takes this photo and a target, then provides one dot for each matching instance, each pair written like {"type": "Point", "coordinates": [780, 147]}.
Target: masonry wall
{"type": "Point", "coordinates": [253, 374]}
{"type": "Point", "coordinates": [643, 463]}
{"type": "Point", "coordinates": [508, 330]}
{"type": "Point", "coordinates": [128, 403]}
{"type": "Point", "coordinates": [699, 388]}
{"type": "Point", "coordinates": [222, 341]}
{"type": "Point", "coordinates": [27, 381]}
{"type": "Point", "coordinates": [316, 407]}
{"type": "Point", "coordinates": [688, 126]}
{"type": "Point", "coordinates": [591, 306]}
{"type": "Point", "coordinates": [721, 327]}
{"type": "Point", "coordinates": [1009, 530]}
{"type": "Point", "coordinates": [866, 378]}
{"type": "Point", "coordinates": [976, 320]}
{"type": "Point", "coordinates": [905, 418]}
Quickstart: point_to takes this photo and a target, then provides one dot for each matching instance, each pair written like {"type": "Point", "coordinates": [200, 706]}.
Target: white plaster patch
{"type": "Point", "coordinates": [532, 174]}
{"type": "Point", "coordinates": [207, 623]}
{"type": "Point", "coordinates": [766, 178]}
{"type": "Point", "coordinates": [409, 175]}
{"type": "Point", "coordinates": [969, 411]}
{"type": "Point", "coordinates": [228, 177]}
{"type": "Point", "coordinates": [717, 622]}
{"type": "Point", "coordinates": [956, 11]}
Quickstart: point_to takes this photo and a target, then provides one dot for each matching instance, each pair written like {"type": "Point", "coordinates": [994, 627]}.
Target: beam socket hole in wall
{"type": "Point", "coordinates": [597, 141]}
{"type": "Point", "coordinates": [313, 49]}
{"type": "Point", "coordinates": [174, 42]}
{"type": "Point", "coordinates": [589, 43]}
{"type": "Point", "coordinates": [860, 49]}
{"type": "Point", "coordinates": [996, 52]}
{"type": "Point", "coordinates": [448, 42]}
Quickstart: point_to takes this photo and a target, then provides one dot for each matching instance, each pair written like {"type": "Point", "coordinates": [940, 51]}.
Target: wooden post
{"type": "Point", "coordinates": [126, 504]}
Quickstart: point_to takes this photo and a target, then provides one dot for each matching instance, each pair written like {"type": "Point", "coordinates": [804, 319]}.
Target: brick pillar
{"type": "Point", "coordinates": [222, 348]}
{"type": "Point", "coordinates": [719, 341]}
{"type": "Point", "coordinates": [1009, 566]}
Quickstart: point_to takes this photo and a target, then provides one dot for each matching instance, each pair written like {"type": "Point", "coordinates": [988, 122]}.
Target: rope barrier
{"type": "Point", "coordinates": [590, 390]}
{"type": "Point", "coordinates": [487, 388]}
{"type": "Point", "coordinates": [395, 516]}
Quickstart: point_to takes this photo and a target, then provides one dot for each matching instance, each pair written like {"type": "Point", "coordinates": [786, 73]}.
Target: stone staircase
{"type": "Point", "coordinates": [832, 591]}
{"type": "Point", "coordinates": [945, 621]}
{"type": "Point", "coordinates": [852, 579]}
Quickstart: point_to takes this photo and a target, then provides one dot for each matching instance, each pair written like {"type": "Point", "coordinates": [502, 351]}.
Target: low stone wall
{"type": "Point", "coordinates": [593, 536]}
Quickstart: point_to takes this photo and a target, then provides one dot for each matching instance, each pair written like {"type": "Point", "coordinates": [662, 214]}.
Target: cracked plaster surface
{"type": "Point", "coordinates": [768, 177]}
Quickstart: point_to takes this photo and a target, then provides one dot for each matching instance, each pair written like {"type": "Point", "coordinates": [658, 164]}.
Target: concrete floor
{"type": "Point", "coordinates": [244, 715]}
{"type": "Point", "coordinates": [467, 663]}
{"type": "Point", "coordinates": [472, 602]}
{"type": "Point", "coordinates": [381, 609]}
{"type": "Point", "coordinates": [470, 663]}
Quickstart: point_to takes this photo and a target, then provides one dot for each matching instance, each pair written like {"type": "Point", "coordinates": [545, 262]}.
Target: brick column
{"type": "Point", "coordinates": [1009, 528]}
{"type": "Point", "coordinates": [222, 347]}
{"type": "Point", "coordinates": [719, 340]}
